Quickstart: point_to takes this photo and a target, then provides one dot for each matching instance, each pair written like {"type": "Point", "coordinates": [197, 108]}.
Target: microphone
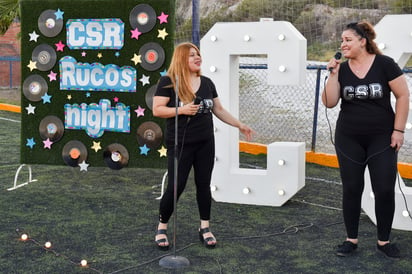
{"type": "Point", "coordinates": [337, 56]}
{"type": "Point", "coordinates": [197, 100]}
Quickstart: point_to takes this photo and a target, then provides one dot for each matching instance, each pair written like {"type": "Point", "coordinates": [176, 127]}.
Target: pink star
{"type": "Point", "coordinates": [83, 53]}
{"type": "Point", "coordinates": [135, 33]}
{"type": "Point", "coordinates": [163, 18]}
{"type": "Point", "coordinates": [59, 46]}
{"type": "Point", "coordinates": [140, 111]}
{"type": "Point", "coordinates": [47, 143]}
{"type": "Point", "coordinates": [52, 76]}
{"type": "Point", "coordinates": [116, 99]}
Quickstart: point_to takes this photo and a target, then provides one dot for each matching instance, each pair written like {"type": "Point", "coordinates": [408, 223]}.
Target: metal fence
{"type": "Point", "coordinates": [9, 70]}
{"type": "Point", "coordinates": [294, 113]}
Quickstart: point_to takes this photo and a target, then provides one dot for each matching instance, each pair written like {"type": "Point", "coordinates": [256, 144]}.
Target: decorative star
{"type": "Point", "coordinates": [30, 143]}
{"type": "Point", "coordinates": [144, 150]}
{"type": "Point", "coordinates": [46, 98]}
{"type": "Point", "coordinates": [88, 94]}
{"type": "Point", "coordinates": [59, 14]}
{"type": "Point", "coordinates": [136, 59]}
{"type": "Point", "coordinates": [140, 111]}
{"type": "Point", "coordinates": [83, 166]}
{"type": "Point", "coordinates": [84, 54]}
{"type": "Point", "coordinates": [117, 54]}
{"type": "Point", "coordinates": [59, 46]}
{"type": "Point", "coordinates": [162, 18]}
{"type": "Point", "coordinates": [32, 65]}
{"type": "Point", "coordinates": [145, 80]}
{"type": "Point", "coordinates": [116, 99]}
{"type": "Point", "coordinates": [33, 36]}
{"type": "Point", "coordinates": [135, 34]}
{"type": "Point", "coordinates": [47, 143]}
{"type": "Point", "coordinates": [69, 97]}
{"type": "Point", "coordinates": [99, 55]}
{"type": "Point", "coordinates": [30, 109]}
{"type": "Point", "coordinates": [162, 152]}
{"type": "Point", "coordinates": [162, 33]}
{"type": "Point", "coordinates": [96, 146]}
{"type": "Point", "coordinates": [163, 73]}
{"type": "Point", "coordinates": [52, 76]}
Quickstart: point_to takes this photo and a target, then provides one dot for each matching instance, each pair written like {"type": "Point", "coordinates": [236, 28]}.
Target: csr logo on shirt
{"type": "Point", "coordinates": [371, 91]}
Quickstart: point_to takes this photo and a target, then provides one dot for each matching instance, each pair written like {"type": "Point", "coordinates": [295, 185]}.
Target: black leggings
{"type": "Point", "coordinates": [201, 156]}
{"type": "Point", "coordinates": [355, 152]}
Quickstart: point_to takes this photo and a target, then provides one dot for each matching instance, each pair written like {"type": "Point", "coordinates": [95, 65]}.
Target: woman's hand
{"type": "Point", "coordinates": [397, 140]}
{"type": "Point", "coordinates": [247, 131]}
{"type": "Point", "coordinates": [189, 109]}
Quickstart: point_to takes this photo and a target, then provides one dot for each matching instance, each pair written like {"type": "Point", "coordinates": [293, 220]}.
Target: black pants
{"type": "Point", "coordinates": [201, 156]}
{"type": "Point", "coordinates": [355, 152]}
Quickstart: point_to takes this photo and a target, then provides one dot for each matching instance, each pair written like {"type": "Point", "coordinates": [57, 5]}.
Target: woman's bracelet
{"type": "Point", "coordinates": [398, 130]}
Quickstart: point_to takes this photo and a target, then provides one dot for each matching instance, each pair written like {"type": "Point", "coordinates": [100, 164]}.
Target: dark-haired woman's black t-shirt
{"type": "Point", "coordinates": [366, 103]}
{"type": "Point", "coordinates": [196, 128]}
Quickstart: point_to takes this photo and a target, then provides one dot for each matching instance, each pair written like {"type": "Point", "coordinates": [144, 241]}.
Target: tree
{"type": "Point", "coordinates": [9, 11]}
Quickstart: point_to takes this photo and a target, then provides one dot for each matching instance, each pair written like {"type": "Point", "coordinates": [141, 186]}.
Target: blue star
{"type": "Point", "coordinates": [88, 94]}
{"type": "Point", "coordinates": [117, 54]}
{"type": "Point", "coordinates": [144, 150]}
{"type": "Point", "coordinates": [46, 98]}
{"type": "Point", "coordinates": [59, 14]}
{"type": "Point", "coordinates": [30, 143]}
{"type": "Point", "coordinates": [163, 73]}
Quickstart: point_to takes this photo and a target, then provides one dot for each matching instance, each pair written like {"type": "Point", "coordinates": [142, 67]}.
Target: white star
{"type": "Point", "coordinates": [83, 166]}
{"type": "Point", "coordinates": [33, 36]}
{"type": "Point", "coordinates": [30, 109]}
{"type": "Point", "coordinates": [145, 80]}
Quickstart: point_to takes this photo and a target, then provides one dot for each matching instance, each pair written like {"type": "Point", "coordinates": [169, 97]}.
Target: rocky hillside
{"type": "Point", "coordinates": [317, 22]}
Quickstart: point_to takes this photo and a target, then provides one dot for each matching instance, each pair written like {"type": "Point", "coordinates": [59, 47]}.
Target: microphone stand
{"type": "Point", "coordinates": [173, 261]}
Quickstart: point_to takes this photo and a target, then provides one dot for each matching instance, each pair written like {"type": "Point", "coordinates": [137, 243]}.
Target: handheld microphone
{"type": "Point", "coordinates": [337, 56]}
{"type": "Point", "coordinates": [197, 100]}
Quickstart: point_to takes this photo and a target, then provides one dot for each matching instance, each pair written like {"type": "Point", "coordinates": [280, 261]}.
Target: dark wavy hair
{"type": "Point", "coordinates": [364, 29]}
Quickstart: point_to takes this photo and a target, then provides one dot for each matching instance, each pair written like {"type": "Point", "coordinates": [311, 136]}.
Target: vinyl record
{"type": "Point", "coordinates": [143, 17]}
{"type": "Point", "coordinates": [149, 133]}
{"type": "Point", "coordinates": [51, 127]}
{"type": "Point", "coordinates": [74, 153]}
{"type": "Point", "coordinates": [153, 56]}
{"type": "Point", "coordinates": [34, 87]}
{"type": "Point", "coordinates": [45, 56]}
{"type": "Point", "coordinates": [116, 156]}
{"type": "Point", "coordinates": [149, 96]}
{"type": "Point", "coordinates": [48, 25]}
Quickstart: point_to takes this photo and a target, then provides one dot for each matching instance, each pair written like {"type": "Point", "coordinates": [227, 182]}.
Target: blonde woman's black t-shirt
{"type": "Point", "coordinates": [366, 103]}
{"type": "Point", "coordinates": [195, 128]}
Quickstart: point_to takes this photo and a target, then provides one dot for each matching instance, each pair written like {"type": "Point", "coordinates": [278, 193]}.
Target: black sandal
{"type": "Point", "coordinates": [206, 241]}
{"type": "Point", "coordinates": [161, 243]}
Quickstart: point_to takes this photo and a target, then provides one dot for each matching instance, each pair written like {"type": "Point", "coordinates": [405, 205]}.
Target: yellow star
{"type": "Point", "coordinates": [69, 97]}
{"type": "Point", "coordinates": [96, 146]}
{"type": "Point", "coordinates": [136, 59]}
{"type": "Point", "coordinates": [99, 55]}
{"type": "Point", "coordinates": [162, 33]}
{"type": "Point", "coordinates": [32, 65]}
{"type": "Point", "coordinates": [162, 151]}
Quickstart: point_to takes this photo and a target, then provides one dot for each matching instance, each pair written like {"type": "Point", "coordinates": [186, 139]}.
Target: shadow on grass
{"type": "Point", "coordinates": [108, 218]}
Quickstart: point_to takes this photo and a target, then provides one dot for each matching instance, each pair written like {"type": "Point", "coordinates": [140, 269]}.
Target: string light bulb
{"type": "Point", "coordinates": [47, 245]}
{"type": "Point", "coordinates": [246, 190]}
{"type": "Point", "coordinates": [24, 237]}
{"type": "Point", "coordinates": [405, 213]}
{"type": "Point", "coordinates": [83, 263]}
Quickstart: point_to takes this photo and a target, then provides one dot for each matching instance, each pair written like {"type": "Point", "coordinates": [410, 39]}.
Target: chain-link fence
{"type": "Point", "coordinates": [294, 113]}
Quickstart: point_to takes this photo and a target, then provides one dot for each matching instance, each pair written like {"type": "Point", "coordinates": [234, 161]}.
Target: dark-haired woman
{"type": "Point", "coordinates": [369, 133]}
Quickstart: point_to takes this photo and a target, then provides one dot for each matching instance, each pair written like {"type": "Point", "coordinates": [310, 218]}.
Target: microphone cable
{"type": "Point", "coordinates": [368, 158]}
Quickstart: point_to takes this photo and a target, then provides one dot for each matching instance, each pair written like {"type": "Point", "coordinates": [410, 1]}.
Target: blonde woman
{"type": "Point", "coordinates": [198, 100]}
